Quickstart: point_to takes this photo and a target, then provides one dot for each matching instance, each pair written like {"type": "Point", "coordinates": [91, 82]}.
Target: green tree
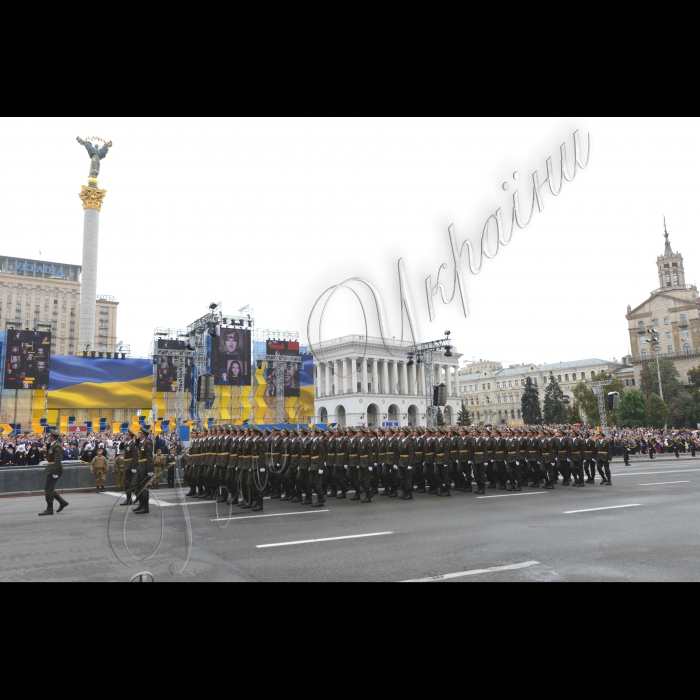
{"type": "Point", "coordinates": [441, 419]}
{"type": "Point", "coordinates": [633, 411]}
{"type": "Point", "coordinates": [573, 415]}
{"type": "Point", "coordinates": [658, 412]}
{"type": "Point", "coordinates": [465, 417]}
{"type": "Point", "coordinates": [556, 405]}
{"type": "Point", "coordinates": [587, 402]}
{"type": "Point", "coordinates": [692, 411]}
{"type": "Point", "coordinates": [532, 411]}
{"type": "Point", "coordinates": [675, 394]}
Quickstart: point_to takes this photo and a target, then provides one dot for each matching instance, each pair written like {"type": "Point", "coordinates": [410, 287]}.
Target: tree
{"type": "Point", "coordinates": [556, 404]}
{"type": "Point", "coordinates": [573, 415]}
{"type": "Point", "coordinates": [465, 417]}
{"type": "Point", "coordinates": [532, 411]}
{"type": "Point", "coordinates": [658, 412]}
{"type": "Point", "coordinates": [587, 402]}
{"type": "Point", "coordinates": [633, 411]}
{"type": "Point", "coordinates": [441, 419]}
{"type": "Point", "coordinates": [692, 412]}
{"type": "Point", "coordinates": [675, 394]}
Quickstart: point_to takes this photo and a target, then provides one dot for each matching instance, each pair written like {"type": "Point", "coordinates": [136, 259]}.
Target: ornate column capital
{"type": "Point", "coordinates": [92, 198]}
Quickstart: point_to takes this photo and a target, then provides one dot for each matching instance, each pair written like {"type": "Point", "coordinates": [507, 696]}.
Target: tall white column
{"type": "Point", "coordinates": [365, 377]}
{"type": "Point", "coordinates": [352, 375]}
{"type": "Point", "coordinates": [92, 199]}
{"type": "Point", "coordinates": [336, 378]}
{"type": "Point", "coordinates": [346, 378]}
{"type": "Point", "coordinates": [404, 378]}
{"type": "Point", "coordinates": [375, 376]}
{"type": "Point", "coordinates": [328, 381]}
{"type": "Point", "coordinates": [385, 378]}
{"type": "Point", "coordinates": [448, 370]}
{"type": "Point", "coordinates": [394, 378]}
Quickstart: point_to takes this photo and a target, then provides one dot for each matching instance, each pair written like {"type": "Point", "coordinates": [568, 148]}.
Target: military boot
{"type": "Point", "coordinates": [48, 511]}
{"type": "Point", "coordinates": [258, 506]}
{"type": "Point", "coordinates": [63, 504]}
{"type": "Point", "coordinates": [143, 510]}
{"type": "Point", "coordinates": [192, 493]}
{"type": "Point", "coordinates": [129, 502]}
{"type": "Point", "coordinates": [223, 497]}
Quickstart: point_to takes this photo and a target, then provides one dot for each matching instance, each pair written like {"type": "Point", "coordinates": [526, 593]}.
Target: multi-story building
{"type": "Point", "coordinates": [496, 396]}
{"type": "Point", "coordinates": [367, 382]}
{"type": "Point", "coordinates": [36, 293]}
{"type": "Point", "coordinates": [673, 311]}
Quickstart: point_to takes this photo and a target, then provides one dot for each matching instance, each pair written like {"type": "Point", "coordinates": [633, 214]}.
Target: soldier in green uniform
{"type": "Point", "coordinates": [54, 471]}
{"type": "Point", "coordinates": [303, 482]}
{"type": "Point", "coordinates": [443, 462]}
{"type": "Point", "coordinates": [406, 462]}
{"type": "Point", "coordinates": [333, 438]}
{"type": "Point", "coordinates": [170, 466]}
{"type": "Point", "coordinates": [547, 459]}
{"type": "Point", "coordinates": [499, 470]}
{"type": "Point", "coordinates": [98, 469]}
{"type": "Point", "coordinates": [429, 443]}
{"type": "Point", "coordinates": [577, 459]}
{"type": "Point", "coordinates": [390, 470]}
{"type": "Point", "coordinates": [317, 468]}
{"type": "Point", "coordinates": [257, 474]}
{"type": "Point", "coordinates": [479, 457]}
{"type": "Point", "coordinates": [274, 461]}
{"type": "Point", "coordinates": [563, 452]}
{"type": "Point", "coordinates": [340, 474]}
{"type": "Point", "coordinates": [365, 462]}
{"type": "Point", "coordinates": [143, 458]}
{"type": "Point", "coordinates": [419, 476]}
{"type": "Point", "coordinates": [130, 470]}
{"type": "Point", "coordinates": [294, 493]}
{"type": "Point", "coordinates": [590, 457]}
{"type": "Point", "coordinates": [245, 458]}
{"type": "Point", "coordinates": [118, 469]}
{"type": "Point", "coordinates": [514, 462]}
{"type": "Point", "coordinates": [223, 460]}
{"type": "Point", "coordinates": [533, 459]}
{"type": "Point", "coordinates": [605, 455]}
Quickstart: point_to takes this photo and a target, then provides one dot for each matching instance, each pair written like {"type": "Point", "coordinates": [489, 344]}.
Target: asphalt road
{"type": "Point", "coordinates": [644, 528]}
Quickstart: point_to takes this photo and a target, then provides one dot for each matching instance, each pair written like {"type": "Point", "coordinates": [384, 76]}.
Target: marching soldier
{"type": "Point", "coordinates": [54, 471]}
{"type": "Point", "coordinates": [605, 455]}
{"type": "Point", "coordinates": [353, 463]}
{"type": "Point", "coordinates": [513, 462]}
{"type": "Point", "coordinates": [143, 460]}
{"type": "Point", "coordinates": [533, 459]}
{"type": "Point", "coordinates": [383, 462]}
{"type": "Point", "coordinates": [499, 469]}
{"type": "Point", "coordinates": [454, 470]}
{"type": "Point", "coordinates": [303, 481]}
{"type": "Point", "coordinates": [331, 456]}
{"type": "Point", "coordinates": [365, 462]}
{"type": "Point", "coordinates": [464, 446]}
{"type": "Point", "coordinates": [479, 458]}
{"type": "Point", "coordinates": [406, 463]}
{"type": "Point", "coordinates": [547, 459]}
{"type": "Point", "coordinates": [419, 475]}
{"type": "Point", "coordinates": [257, 474]}
{"type": "Point", "coordinates": [171, 465]}
{"type": "Point", "coordinates": [340, 475]}
{"type": "Point", "coordinates": [284, 465]}
{"type": "Point", "coordinates": [390, 471]}
{"type": "Point", "coordinates": [294, 493]}
{"type": "Point", "coordinates": [589, 455]}
{"type": "Point", "coordinates": [232, 472]}
{"type": "Point", "coordinates": [563, 458]}
{"type": "Point", "coordinates": [577, 457]}
{"type": "Point", "coordinates": [317, 468]}
{"type": "Point", "coordinates": [443, 460]}
{"type": "Point", "coordinates": [245, 456]}
{"type": "Point", "coordinates": [429, 472]}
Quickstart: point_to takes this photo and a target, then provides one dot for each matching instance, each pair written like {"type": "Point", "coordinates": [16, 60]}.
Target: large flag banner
{"type": "Point", "coordinates": [81, 382]}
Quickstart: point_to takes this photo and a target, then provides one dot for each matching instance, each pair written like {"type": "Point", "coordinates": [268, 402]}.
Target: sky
{"type": "Point", "coordinates": [272, 211]}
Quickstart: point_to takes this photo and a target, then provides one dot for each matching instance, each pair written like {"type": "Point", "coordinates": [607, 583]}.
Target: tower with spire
{"type": "Point", "coordinates": [670, 264]}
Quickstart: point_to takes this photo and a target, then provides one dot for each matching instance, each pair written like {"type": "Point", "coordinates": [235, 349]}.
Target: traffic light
{"type": "Point", "coordinates": [613, 402]}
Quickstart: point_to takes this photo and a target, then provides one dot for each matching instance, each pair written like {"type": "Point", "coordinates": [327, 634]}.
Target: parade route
{"type": "Point", "coordinates": [644, 528]}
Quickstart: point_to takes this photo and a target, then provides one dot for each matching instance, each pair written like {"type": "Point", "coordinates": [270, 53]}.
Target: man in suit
{"type": "Point", "coordinates": [54, 471]}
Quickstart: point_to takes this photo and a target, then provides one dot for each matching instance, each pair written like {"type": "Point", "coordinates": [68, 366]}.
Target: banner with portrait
{"type": "Point", "coordinates": [231, 358]}
{"type": "Point", "coordinates": [167, 368]}
{"type": "Point", "coordinates": [292, 370]}
{"type": "Point", "coordinates": [28, 360]}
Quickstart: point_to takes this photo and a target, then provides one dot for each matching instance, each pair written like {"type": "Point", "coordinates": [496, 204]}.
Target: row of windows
{"type": "Point", "coordinates": [514, 384]}
{"type": "Point", "coordinates": [683, 321]}
{"type": "Point", "coordinates": [687, 351]}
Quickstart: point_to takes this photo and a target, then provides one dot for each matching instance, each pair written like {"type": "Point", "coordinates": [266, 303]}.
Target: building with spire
{"type": "Point", "coordinates": [673, 310]}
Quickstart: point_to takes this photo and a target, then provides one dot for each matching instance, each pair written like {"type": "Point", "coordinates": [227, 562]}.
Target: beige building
{"type": "Point", "coordinates": [673, 311]}
{"type": "Point", "coordinates": [494, 394]}
{"type": "Point", "coordinates": [37, 293]}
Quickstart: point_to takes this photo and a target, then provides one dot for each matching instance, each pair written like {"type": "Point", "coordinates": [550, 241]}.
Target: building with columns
{"type": "Point", "coordinates": [367, 382]}
{"type": "Point", "coordinates": [673, 311]}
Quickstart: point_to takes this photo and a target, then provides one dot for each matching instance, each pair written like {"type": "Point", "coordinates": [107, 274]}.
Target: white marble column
{"type": "Point", "coordinates": [421, 380]}
{"type": "Point", "coordinates": [336, 378]}
{"type": "Point", "coordinates": [365, 377]}
{"type": "Point", "coordinates": [346, 379]}
{"type": "Point", "coordinates": [448, 371]}
{"type": "Point", "coordinates": [394, 378]}
{"type": "Point", "coordinates": [352, 375]}
{"type": "Point", "coordinates": [329, 385]}
{"type": "Point", "coordinates": [404, 379]}
{"type": "Point", "coordinates": [375, 376]}
{"type": "Point", "coordinates": [88, 280]}
{"type": "Point", "coordinates": [385, 378]}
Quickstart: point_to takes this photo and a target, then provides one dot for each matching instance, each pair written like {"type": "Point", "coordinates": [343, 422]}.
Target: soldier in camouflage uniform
{"type": "Point", "coordinates": [159, 465]}
{"type": "Point", "coordinates": [118, 470]}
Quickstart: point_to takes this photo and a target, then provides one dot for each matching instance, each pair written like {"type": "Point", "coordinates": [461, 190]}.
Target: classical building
{"type": "Point", "coordinates": [673, 310]}
{"type": "Point", "coordinates": [36, 292]}
{"type": "Point", "coordinates": [494, 394]}
{"type": "Point", "coordinates": [361, 383]}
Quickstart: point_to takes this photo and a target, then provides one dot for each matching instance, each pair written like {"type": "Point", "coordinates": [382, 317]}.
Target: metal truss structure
{"type": "Point", "coordinates": [424, 354]}
{"type": "Point", "coordinates": [601, 401]}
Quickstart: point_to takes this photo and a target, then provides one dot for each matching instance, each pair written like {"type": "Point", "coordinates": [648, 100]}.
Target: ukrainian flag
{"type": "Point", "coordinates": [81, 382]}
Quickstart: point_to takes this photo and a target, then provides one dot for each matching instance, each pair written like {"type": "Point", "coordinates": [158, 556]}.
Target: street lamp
{"type": "Point", "coordinates": [656, 343]}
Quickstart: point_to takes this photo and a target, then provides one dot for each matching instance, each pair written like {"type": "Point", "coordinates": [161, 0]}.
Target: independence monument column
{"type": "Point", "coordinates": [92, 198]}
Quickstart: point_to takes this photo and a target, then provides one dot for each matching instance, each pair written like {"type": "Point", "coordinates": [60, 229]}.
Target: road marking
{"type": "Point", "coordinates": [689, 471]}
{"type": "Point", "coordinates": [160, 504]}
{"type": "Point", "coordinates": [478, 572]}
{"type": "Point", "coordinates": [279, 515]}
{"type": "Point", "coordinates": [597, 510]}
{"type": "Point", "coordinates": [330, 539]}
{"type": "Point", "coordinates": [668, 483]}
{"type": "Point", "coordinates": [513, 495]}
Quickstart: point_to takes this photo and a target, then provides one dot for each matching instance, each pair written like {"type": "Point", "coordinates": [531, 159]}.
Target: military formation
{"type": "Point", "coordinates": [241, 465]}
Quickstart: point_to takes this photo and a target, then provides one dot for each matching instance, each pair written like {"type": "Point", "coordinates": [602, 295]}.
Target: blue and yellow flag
{"type": "Point", "coordinates": [81, 382]}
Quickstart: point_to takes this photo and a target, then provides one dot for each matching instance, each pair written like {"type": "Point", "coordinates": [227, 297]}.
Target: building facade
{"type": "Point", "coordinates": [673, 311]}
{"type": "Point", "coordinates": [37, 293]}
{"type": "Point", "coordinates": [369, 383]}
{"type": "Point", "coordinates": [495, 397]}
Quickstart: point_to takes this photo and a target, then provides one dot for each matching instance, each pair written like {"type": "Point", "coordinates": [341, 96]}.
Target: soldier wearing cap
{"type": "Point", "coordinates": [143, 459]}
{"type": "Point", "coordinates": [390, 468]}
{"type": "Point", "coordinates": [54, 471]}
{"type": "Point", "coordinates": [274, 463]}
{"type": "Point", "coordinates": [498, 472]}
{"type": "Point", "coordinates": [223, 459]}
{"type": "Point", "coordinates": [332, 444]}
{"type": "Point", "coordinates": [479, 457]}
{"type": "Point", "coordinates": [406, 462]}
{"type": "Point", "coordinates": [245, 455]}
{"type": "Point", "coordinates": [513, 462]}
{"type": "Point", "coordinates": [232, 466]}
{"type": "Point", "coordinates": [376, 471]}
{"type": "Point", "coordinates": [419, 476]}
{"type": "Point", "coordinates": [590, 449]}
{"type": "Point", "coordinates": [365, 462]}
{"type": "Point", "coordinates": [304, 486]}
{"type": "Point", "coordinates": [130, 471]}
{"type": "Point", "coordinates": [284, 464]}
{"type": "Point", "coordinates": [464, 448]}
{"type": "Point", "coordinates": [604, 452]}
{"type": "Point", "coordinates": [317, 468]}
{"type": "Point", "coordinates": [533, 459]}
{"type": "Point", "coordinates": [257, 472]}
{"type": "Point", "coordinates": [429, 442]}
{"type": "Point", "coordinates": [577, 458]}
{"type": "Point", "coordinates": [294, 494]}
{"type": "Point", "coordinates": [442, 463]}
{"type": "Point", "coordinates": [563, 458]}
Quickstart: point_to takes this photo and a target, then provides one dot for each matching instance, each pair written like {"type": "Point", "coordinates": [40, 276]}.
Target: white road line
{"type": "Point", "coordinates": [689, 471]}
{"type": "Point", "coordinates": [160, 504]}
{"type": "Point", "coordinates": [597, 510]}
{"type": "Point", "coordinates": [478, 572]}
{"type": "Point", "coordinates": [330, 539]}
{"type": "Point", "coordinates": [668, 483]}
{"type": "Point", "coordinates": [513, 495]}
{"type": "Point", "coordinates": [279, 515]}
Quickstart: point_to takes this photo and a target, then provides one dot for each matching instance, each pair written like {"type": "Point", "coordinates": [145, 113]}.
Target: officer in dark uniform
{"type": "Point", "coordinates": [340, 474]}
{"type": "Point", "coordinates": [563, 453]}
{"type": "Point", "coordinates": [419, 476]}
{"type": "Point", "coordinates": [54, 471]}
{"type": "Point", "coordinates": [317, 468]}
{"type": "Point", "coordinates": [499, 470]}
{"type": "Point", "coordinates": [353, 463]}
{"type": "Point", "coordinates": [257, 474]}
{"type": "Point", "coordinates": [130, 471]}
{"type": "Point", "coordinates": [303, 482]}
{"type": "Point", "coordinates": [365, 461]}
{"type": "Point", "coordinates": [605, 455]}
{"type": "Point", "coordinates": [143, 458]}
{"type": "Point", "coordinates": [390, 471]}
{"type": "Point", "coordinates": [590, 457]}
{"type": "Point", "coordinates": [577, 458]}
{"type": "Point", "coordinates": [291, 480]}
{"type": "Point", "coordinates": [429, 443]}
{"type": "Point", "coordinates": [547, 459]}
{"type": "Point", "coordinates": [513, 462]}
{"type": "Point", "coordinates": [406, 463]}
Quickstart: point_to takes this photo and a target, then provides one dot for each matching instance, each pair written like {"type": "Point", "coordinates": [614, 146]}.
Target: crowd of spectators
{"type": "Point", "coordinates": [30, 450]}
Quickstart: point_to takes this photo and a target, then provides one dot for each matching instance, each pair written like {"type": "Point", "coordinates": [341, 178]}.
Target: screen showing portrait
{"type": "Point", "coordinates": [231, 358]}
{"type": "Point", "coordinates": [292, 370]}
{"type": "Point", "coordinates": [28, 360]}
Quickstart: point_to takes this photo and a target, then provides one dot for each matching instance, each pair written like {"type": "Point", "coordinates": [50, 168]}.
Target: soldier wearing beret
{"type": "Point", "coordinates": [54, 471]}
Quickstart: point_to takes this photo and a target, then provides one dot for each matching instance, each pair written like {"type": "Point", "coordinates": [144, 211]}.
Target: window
{"type": "Point", "coordinates": [668, 279]}
{"type": "Point", "coordinates": [489, 387]}
{"type": "Point", "coordinates": [574, 377]}
{"type": "Point", "coordinates": [670, 350]}
{"type": "Point", "coordinates": [583, 375]}
{"type": "Point", "coordinates": [567, 377]}
{"type": "Point", "coordinates": [676, 280]}
{"type": "Point", "coordinates": [668, 336]}
{"type": "Point", "coordinates": [685, 335]}
{"type": "Point", "coordinates": [656, 323]}
{"type": "Point", "coordinates": [684, 320]}
{"type": "Point", "coordinates": [498, 385]}
{"type": "Point", "coordinates": [644, 340]}
{"type": "Point", "coordinates": [667, 321]}
{"type": "Point", "coordinates": [645, 355]}
{"type": "Point", "coordinates": [499, 400]}
{"type": "Point", "coordinates": [687, 350]}
{"type": "Point", "coordinates": [510, 385]}
{"type": "Point", "coordinates": [544, 381]}
{"type": "Point", "coordinates": [627, 382]}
